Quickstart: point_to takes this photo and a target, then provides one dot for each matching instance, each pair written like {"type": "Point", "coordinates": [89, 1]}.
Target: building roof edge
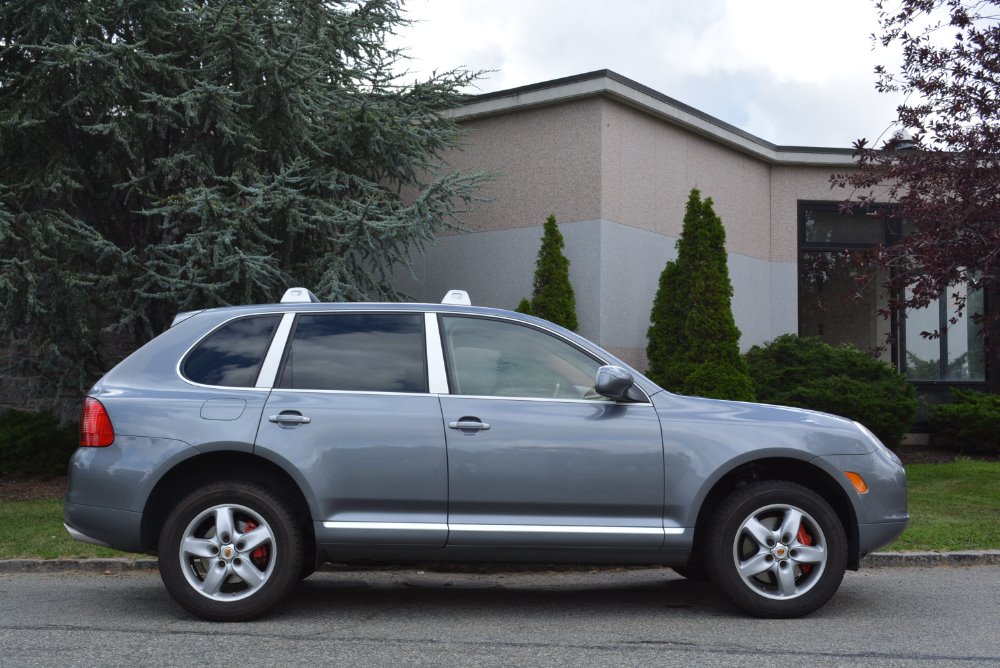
{"type": "Point", "coordinates": [608, 83]}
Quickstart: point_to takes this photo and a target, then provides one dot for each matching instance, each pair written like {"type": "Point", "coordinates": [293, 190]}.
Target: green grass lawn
{"type": "Point", "coordinates": [954, 506]}
{"type": "Point", "coordinates": [34, 529]}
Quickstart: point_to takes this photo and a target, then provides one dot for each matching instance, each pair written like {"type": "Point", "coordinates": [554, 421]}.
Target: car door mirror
{"type": "Point", "coordinates": [614, 382]}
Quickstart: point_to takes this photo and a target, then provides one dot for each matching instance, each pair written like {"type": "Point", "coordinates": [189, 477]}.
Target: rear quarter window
{"type": "Point", "coordinates": [232, 355]}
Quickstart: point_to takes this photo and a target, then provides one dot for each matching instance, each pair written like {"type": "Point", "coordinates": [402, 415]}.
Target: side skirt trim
{"type": "Point", "coordinates": [507, 528]}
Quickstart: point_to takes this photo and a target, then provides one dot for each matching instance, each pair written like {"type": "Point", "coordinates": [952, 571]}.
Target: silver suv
{"type": "Point", "coordinates": [245, 445]}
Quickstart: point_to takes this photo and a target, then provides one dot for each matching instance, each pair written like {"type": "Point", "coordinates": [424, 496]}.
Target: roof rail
{"type": "Point", "coordinates": [457, 297]}
{"type": "Point", "coordinates": [299, 296]}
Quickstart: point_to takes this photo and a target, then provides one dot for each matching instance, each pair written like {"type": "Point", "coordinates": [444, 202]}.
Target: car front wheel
{"type": "Point", "coordinates": [230, 551]}
{"type": "Point", "coordinates": [776, 549]}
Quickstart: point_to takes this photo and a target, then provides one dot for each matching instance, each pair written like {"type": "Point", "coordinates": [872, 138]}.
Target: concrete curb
{"type": "Point", "coordinates": [903, 559]}
{"type": "Point", "coordinates": [148, 565]}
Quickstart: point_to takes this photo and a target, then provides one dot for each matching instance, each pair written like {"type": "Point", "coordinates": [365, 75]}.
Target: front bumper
{"type": "Point", "coordinates": [873, 536]}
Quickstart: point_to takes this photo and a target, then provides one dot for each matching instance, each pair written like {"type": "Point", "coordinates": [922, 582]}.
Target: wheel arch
{"type": "Point", "coordinates": [789, 470]}
{"type": "Point", "coordinates": [203, 469]}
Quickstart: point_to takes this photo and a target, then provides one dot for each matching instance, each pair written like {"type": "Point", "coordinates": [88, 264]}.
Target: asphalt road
{"type": "Point", "coordinates": [942, 616]}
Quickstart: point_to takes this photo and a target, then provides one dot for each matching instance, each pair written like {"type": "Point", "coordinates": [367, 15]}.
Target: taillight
{"type": "Point", "coordinates": [95, 425]}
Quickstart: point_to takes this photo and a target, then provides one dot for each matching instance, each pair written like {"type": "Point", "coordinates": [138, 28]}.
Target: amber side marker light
{"type": "Point", "coordinates": [858, 482]}
{"type": "Point", "coordinates": [95, 425]}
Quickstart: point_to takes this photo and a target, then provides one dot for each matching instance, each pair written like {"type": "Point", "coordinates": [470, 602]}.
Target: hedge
{"type": "Point", "coordinates": [35, 444]}
{"type": "Point", "coordinates": [807, 373]}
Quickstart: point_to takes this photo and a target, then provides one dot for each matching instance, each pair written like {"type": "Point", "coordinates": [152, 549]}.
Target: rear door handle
{"type": "Point", "coordinates": [290, 417]}
{"type": "Point", "coordinates": [467, 424]}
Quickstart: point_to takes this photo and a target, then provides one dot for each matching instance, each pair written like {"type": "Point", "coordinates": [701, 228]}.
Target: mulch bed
{"type": "Point", "coordinates": [30, 487]}
{"type": "Point", "coordinates": [922, 454]}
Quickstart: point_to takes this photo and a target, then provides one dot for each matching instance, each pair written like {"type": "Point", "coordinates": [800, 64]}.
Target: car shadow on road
{"type": "Point", "coordinates": [489, 595]}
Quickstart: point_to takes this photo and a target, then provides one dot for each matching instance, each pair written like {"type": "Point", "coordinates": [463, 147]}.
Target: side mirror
{"type": "Point", "coordinates": [614, 382]}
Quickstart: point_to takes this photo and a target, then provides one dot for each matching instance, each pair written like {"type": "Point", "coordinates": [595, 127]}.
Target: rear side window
{"type": "Point", "coordinates": [231, 355]}
{"type": "Point", "coordinates": [357, 352]}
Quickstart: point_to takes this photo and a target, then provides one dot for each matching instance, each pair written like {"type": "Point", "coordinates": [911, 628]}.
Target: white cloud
{"type": "Point", "coordinates": [789, 71]}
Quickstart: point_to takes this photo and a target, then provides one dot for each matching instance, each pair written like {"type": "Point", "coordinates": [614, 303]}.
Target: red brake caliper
{"type": "Point", "coordinates": [259, 555]}
{"type": "Point", "coordinates": [805, 539]}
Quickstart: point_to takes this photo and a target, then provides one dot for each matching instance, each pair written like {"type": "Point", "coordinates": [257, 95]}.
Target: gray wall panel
{"type": "Point", "coordinates": [614, 270]}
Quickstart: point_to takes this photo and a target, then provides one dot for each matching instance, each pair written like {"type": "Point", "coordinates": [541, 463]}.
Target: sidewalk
{"type": "Point", "coordinates": [115, 566]}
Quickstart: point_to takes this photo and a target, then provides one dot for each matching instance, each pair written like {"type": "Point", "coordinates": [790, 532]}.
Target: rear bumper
{"type": "Point", "coordinates": [82, 537]}
{"type": "Point", "coordinates": [110, 527]}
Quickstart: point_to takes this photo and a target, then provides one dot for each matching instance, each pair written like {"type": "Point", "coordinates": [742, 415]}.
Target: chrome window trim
{"type": "Point", "coordinates": [509, 528]}
{"type": "Point", "coordinates": [437, 374]}
{"type": "Point", "coordinates": [555, 400]}
{"type": "Point", "coordinates": [428, 316]}
{"type": "Point", "coordinates": [299, 390]}
{"type": "Point", "coordinates": [272, 360]}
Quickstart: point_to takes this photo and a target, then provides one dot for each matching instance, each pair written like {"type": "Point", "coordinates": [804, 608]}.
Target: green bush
{"type": "Point", "coordinates": [807, 373]}
{"type": "Point", "coordinates": [693, 342]}
{"type": "Point", "coordinates": [970, 423]}
{"type": "Point", "coordinates": [35, 444]}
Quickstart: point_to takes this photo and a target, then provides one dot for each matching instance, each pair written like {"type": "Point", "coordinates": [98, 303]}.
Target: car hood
{"type": "Point", "coordinates": [762, 425]}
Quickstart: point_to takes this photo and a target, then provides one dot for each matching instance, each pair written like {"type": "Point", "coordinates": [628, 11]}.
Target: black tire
{"type": "Point", "coordinates": [219, 566]}
{"type": "Point", "coordinates": [789, 542]}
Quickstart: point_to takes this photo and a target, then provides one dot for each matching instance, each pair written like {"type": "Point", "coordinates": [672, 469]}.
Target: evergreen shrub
{"type": "Point", "coordinates": [552, 297]}
{"type": "Point", "coordinates": [970, 423]}
{"type": "Point", "coordinates": [35, 444]}
{"type": "Point", "coordinates": [693, 341]}
{"type": "Point", "coordinates": [807, 373]}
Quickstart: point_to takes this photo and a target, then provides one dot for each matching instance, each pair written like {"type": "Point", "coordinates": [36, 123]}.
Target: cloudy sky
{"type": "Point", "coordinates": [793, 72]}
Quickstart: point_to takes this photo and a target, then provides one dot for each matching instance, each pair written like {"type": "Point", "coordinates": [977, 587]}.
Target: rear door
{"type": "Point", "coordinates": [351, 412]}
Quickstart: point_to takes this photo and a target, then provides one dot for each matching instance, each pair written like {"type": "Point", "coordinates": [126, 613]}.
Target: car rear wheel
{"type": "Point", "coordinates": [230, 551]}
{"type": "Point", "coordinates": [776, 549]}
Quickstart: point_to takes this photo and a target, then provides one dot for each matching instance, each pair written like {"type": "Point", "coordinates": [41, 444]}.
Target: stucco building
{"type": "Point", "coordinates": [614, 161]}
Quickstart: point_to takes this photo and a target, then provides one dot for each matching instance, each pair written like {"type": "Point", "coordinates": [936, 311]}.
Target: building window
{"type": "Point", "coordinates": [957, 354]}
{"type": "Point", "coordinates": [834, 306]}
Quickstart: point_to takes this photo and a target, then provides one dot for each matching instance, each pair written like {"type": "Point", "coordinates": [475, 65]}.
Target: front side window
{"type": "Point", "coordinates": [496, 358]}
{"type": "Point", "coordinates": [231, 355]}
{"type": "Point", "coordinates": [357, 352]}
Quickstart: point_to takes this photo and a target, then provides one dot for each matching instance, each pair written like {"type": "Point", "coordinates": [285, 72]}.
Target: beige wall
{"type": "Point", "coordinates": [649, 167]}
{"type": "Point", "coordinates": [617, 178]}
{"type": "Point", "coordinates": [789, 184]}
{"type": "Point", "coordinates": [548, 162]}
{"type": "Point", "coordinates": [598, 159]}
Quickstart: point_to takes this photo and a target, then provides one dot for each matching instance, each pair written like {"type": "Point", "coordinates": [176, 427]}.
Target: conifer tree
{"type": "Point", "coordinates": [552, 298]}
{"type": "Point", "coordinates": [166, 155]}
{"type": "Point", "coordinates": [693, 342]}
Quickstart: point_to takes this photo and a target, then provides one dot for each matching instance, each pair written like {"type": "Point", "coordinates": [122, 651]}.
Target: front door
{"type": "Point", "coordinates": [535, 458]}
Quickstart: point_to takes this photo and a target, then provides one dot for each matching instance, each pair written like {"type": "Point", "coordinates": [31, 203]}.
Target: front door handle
{"type": "Point", "coordinates": [290, 418]}
{"type": "Point", "coordinates": [469, 424]}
